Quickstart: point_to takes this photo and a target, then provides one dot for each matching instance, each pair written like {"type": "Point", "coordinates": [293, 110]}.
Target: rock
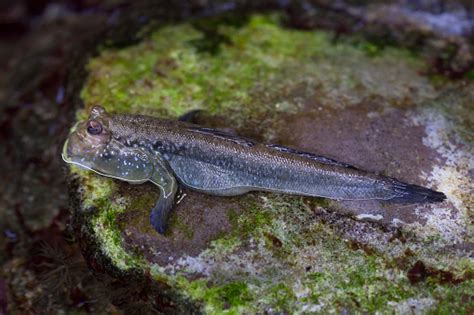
{"type": "Point", "coordinates": [439, 31]}
{"type": "Point", "coordinates": [268, 252]}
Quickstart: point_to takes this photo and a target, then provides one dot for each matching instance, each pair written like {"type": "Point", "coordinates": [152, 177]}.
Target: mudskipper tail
{"type": "Point", "coordinates": [407, 193]}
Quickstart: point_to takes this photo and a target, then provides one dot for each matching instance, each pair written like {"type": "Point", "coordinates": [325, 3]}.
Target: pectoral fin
{"type": "Point", "coordinates": [163, 177]}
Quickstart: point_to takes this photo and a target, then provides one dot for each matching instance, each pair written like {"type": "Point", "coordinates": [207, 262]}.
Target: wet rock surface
{"type": "Point", "coordinates": [342, 93]}
{"type": "Point", "coordinates": [271, 252]}
{"type": "Point", "coordinates": [373, 140]}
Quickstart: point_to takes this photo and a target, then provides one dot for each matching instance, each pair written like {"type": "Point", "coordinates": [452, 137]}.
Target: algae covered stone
{"type": "Point", "coordinates": [268, 252]}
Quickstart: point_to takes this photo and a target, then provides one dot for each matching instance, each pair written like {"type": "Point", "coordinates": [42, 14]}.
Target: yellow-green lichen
{"type": "Point", "coordinates": [257, 70]}
{"type": "Point", "coordinates": [231, 298]}
{"type": "Point", "coordinates": [319, 271]}
{"type": "Point", "coordinates": [110, 238]}
{"type": "Point", "coordinates": [98, 192]}
{"type": "Point", "coordinates": [223, 246]}
{"type": "Point", "coordinates": [96, 188]}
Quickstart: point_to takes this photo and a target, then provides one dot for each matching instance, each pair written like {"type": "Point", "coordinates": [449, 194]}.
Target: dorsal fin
{"type": "Point", "coordinates": [249, 143]}
{"type": "Point", "coordinates": [223, 135]}
{"type": "Point", "coordinates": [318, 158]}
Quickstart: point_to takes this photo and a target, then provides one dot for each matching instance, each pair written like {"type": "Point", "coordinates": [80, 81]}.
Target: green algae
{"type": "Point", "coordinates": [175, 223]}
{"type": "Point", "coordinates": [245, 71]}
{"type": "Point", "coordinates": [245, 225]}
{"type": "Point", "coordinates": [167, 75]}
{"type": "Point", "coordinates": [345, 279]}
{"type": "Point", "coordinates": [110, 237]}
{"type": "Point", "coordinates": [140, 207]}
{"type": "Point", "coordinates": [229, 298]}
{"type": "Point", "coordinates": [104, 225]}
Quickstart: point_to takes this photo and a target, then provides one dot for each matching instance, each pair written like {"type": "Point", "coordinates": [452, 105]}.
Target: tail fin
{"type": "Point", "coordinates": [407, 193]}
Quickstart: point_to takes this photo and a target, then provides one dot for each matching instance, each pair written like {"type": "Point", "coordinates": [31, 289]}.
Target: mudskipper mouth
{"type": "Point", "coordinates": [74, 159]}
{"type": "Point", "coordinates": [69, 152]}
{"type": "Point", "coordinates": [71, 158]}
{"type": "Point", "coordinates": [64, 154]}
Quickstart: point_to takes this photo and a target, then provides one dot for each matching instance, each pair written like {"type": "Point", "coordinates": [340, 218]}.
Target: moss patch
{"type": "Point", "coordinates": [109, 235]}
{"type": "Point", "coordinates": [229, 298]}
{"type": "Point", "coordinates": [300, 265]}
{"type": "Point", "coordinates": [98, 194]}
{"type": "Point", "coordinates": [259, 68]}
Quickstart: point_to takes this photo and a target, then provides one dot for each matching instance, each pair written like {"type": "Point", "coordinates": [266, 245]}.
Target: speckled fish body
{"type": "Point", "coordinates": [210, 161]}
{"type": "Point", "coordinates": [138, 148]}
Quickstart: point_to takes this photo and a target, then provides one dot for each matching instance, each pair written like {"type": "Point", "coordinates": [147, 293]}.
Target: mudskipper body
{"type": "Point", "coordinates": [136, 149]}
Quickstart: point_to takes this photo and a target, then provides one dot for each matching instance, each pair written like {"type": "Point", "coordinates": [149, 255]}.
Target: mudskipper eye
{"type": "Point", "coordinates": [94, 127]}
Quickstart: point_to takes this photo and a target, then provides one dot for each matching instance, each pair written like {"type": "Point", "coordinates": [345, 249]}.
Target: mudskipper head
{"type": "Point", "coordinates": [88, 139]}
{"type": "Point", "coordinates": [91, 145]}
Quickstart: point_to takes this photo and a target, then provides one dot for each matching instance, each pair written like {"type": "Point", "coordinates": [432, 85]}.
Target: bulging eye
{"type": "Point", "coordinates": [94, 127]}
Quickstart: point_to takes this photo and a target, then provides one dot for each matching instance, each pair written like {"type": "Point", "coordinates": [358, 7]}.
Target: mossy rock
{"type": "Point", "coordinates": [267, 252]}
